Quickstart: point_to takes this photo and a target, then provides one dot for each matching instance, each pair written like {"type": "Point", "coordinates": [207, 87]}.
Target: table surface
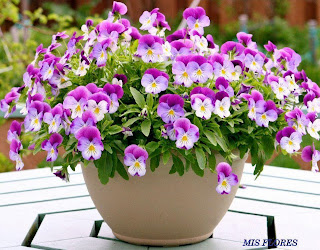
{"type": "Point", "coordinates": [38, 210]}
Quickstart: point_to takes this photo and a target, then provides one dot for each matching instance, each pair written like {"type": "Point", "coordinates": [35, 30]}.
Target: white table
{"type": "Point", "coordinates": [38, 210]}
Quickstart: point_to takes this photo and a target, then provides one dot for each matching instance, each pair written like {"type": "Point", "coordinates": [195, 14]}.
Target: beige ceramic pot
{"type": "Point", "coordinates": [161, 209]}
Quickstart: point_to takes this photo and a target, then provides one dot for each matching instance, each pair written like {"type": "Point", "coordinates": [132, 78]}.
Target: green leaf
{"type": "Point", "coordinates": [178, 164]}
{"type": "Point", "coordinates": [108, 148]}
{"type": "Point", "coordinates": [145, 127]}
{"type": "Point", "coordinates": [211, 137]}
{"type": "Point", "coordinates": [166, 156]}
{"type": "Point", "coordinates": [197, 169]}
{"type": "Point", "coordinates": [197, 122]}
{"type": "Point", "coordinates": [104, 166]}
{"type": "Point", "coordinates": [201, 158]}
{"type": "Point", "coordinates": [138, 97]}
{"type": "Point", "coordinates": [222, 143]}
{"type": "Point", "coordinates": [154, 162]}
{"type": "Point", "coordinates": [268, 146]}
{"type": "Point", "coordinates": [152, 146]}
{"type": "Point", "coordinates": [121, 170]}
{"type": "Point", "coordinates": [130, 121]}
{"type": "Point", "coordinates": [173, 169]}
{"type": "Point", "coordinates": [212, 162]}
{"type": "Point", "coordinates": [150, 101]}
{"type": "Point", "coordinates": [114, 130]}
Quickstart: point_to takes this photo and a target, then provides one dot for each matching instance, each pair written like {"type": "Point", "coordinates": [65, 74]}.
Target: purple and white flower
{"type": "Point", "coordinates": [53, 118]}
{"type": "Point", "coordinates": [289, 139]}
{"type": "Point", "coordinates": [280, 88]}
{"type": "Point", "coordinates": [186, 133]}
{"type": "Point", "coordinates": [33, 120]}
{"type": "Point", "coordinates": [87, 119]}
{"type": "Point", "coordinates": [154, 81]}
{"type": "Point", "coordinates": [196, 19]}
{"type": "Point", "coordinates": [76, 101]}
{"type": "Point", "coordinates": [135, 158]}
{"type": "Point", "coordinates": [149, 48]}
{"type": "Point", "coordinates": [14, 131]}
{"type": "Point", "coordinates": [99, 104]}
{"type": "Point", "coordinates": [119, 79]}
{"type": "Point", "coordinates": [115, 92]}
{"type": "Point", "coordinates": [254, 62]}
{"type": "Point", "coordinates": [313, 127]}
{"type": "Point", "coordinates": [310, 154]}
{"type": "Point", "coordinates": [199, 69]}
{"type": "Point", "coordinates": [147, 19]}
{"type": "Point", "coordinates": [266, 113]}
{"type": "Point", "coordinates": [51, 146]}
{"type": "Point", "coordinates": [179, 69]}
{"type": "Point", "coordinates": [226, 179]}
{"type": "Point", "coordinates": [222, 105]}
{"type": "Point", "coordinates": [202, 105]}
{"type": "Point", "coordinates": [15, 148]}
{"type": "Point", "coordinates": [170, 107]}
{"type": "Point", "coordinates": [89, 143]}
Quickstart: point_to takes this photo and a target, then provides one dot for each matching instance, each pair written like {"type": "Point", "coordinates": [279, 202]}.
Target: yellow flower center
{"type": "Point", "coordinates": [78, 108]}
{"type": "Point", "coordinates": [254, 63]}
{"type": "Point", "coordinates": [185, 74]}
{"type": "Point", "coordinates": [53, 123]}
{"type": "Point", "coordinates": [313, 130]}
{"type": "Point", "coordinates": [184, 138]}
{"type": "Point", "coordinates": [233, 73]}
{"type": "Point", "coordinates": [280, 89]}
{"type": "Point", "coordinates": [81, 68]}
{"type": "Point", "coordinates": [102, 55]}
{"type": "Point", "coordinates": [294, 126]}
{"type": "Point", "coordinates": [36, 121]}
{"type": "Point", "coordinates": [196, 25]}
{"type": "Point", "coordinates": [203, 108]}
{"type": "Point", "coordinates": [92, 148]}
{"type": "Point", "coordinates": [221, 108]}
{"type": "Point", "coordinates": [137, 164]}
{"type": "Point", "coordinates": [199, 72]}
{"type": "Point", "coordinates": [290, 143]}
{"type": "Point", "coordinates": [223, 72]}
{"type": "Point", "coordinates": [171, 112]}
{"type": "Point", "coordinates": [291, 82]}
{"type": "Point", "coordinates": [149, 21]}
{"type": "Point", "coordinates": [264, 117]}
{"type": "Point", "coordinates": [50, 71]}
{"type": "Point", "coordinates": [252, 110]}
{"type": "Point", "coordinates": [96, 110]}
{"type": "Point", "coordinates": [63, 80]}
{"type": "Point", "coordinates": [52, 151]}
{"type": "Point", "coordinates": [153, 85]}
{"type": "Point", "coordinates": [224, 183]}
{"type": "Point", "coordinates": [149, 52]}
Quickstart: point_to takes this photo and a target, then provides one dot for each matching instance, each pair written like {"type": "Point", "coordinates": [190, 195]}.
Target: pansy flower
{"type": "Point", "coordinates": [289, 139]}
{"type": "Point", "coordinates": [35, 114]}
{"type": "Point", "coordinates": [254, 62]}
{"type": "Point", "coordinates": [100, 54]}
{"type": "Point", "coordinates": [179, 69]}
{"type": "Point", "coordinates": [89, 143]}
{"type": "Point", "coordinates": [14, 131]}
{"type": "Point", "coordinates": [223, 85]}
{"type": "Point", "coordinates": [196, 19]}
{"type": "Point", "coordinates": [76, 101]}
{"type": "Point", "coordinates": [115, 92]}
{"type": "Point", "coordinates": [246, 40]}
{"type": "Point", "coordinates": [170, 107]}
{"type": "Point", "coordinates": [202, 105]}
{"type": "Point", "coordinates": [280, 88]}
{"type": "Point", "coordinates": [119, 79]}
{"type": "Point", "coordinates": [222, 104]}
{"type": "Point", "coordinates": [186, 133]}
{"type": "Point", "coordinates": [170, 131]}
{"type": "Point", "coordinates": [47, 70]}
{"type": "Point", "coordinates": [51, 146]}
{"type": "Point", "coordinates": [290, 79]}
{"type": "Point", "coordinates": [154, 81]}
{"type": "Point", "coordinates": [53, 118]}
{"type": "Point", "coordinates": [118, 7]}
{"type": "Point", "coordinates": [87, 119]}
{"type": "Point", "coordinates": [226, 179]}
{"type": "Point", "coordinates": [311, 154]}
{"type": "Point", "coordinates": [266, 113]}
{"type": "Point", "coordinates": [147, 19]}
{"type": "Point", "coordinates": [233, 50]}
{"type": "Point", "coordinates": [298, 120]}
{"type": "Point", "coordinates": [82, 69]}
{"type": "Point", "coordinates": [14, 155]}
{"type": "Point", "coordinates": [99, 104]}
{"type": "Point", "coordinates": [135, 158]}
{"type": "Point", "coordinates": [313, 127]}
{"type": "Point", "coordinates": [149, 48]}
{"type": "Point", "coordinates": [199, 69]}
{"type": "Point", "coordinates": [11, 97]}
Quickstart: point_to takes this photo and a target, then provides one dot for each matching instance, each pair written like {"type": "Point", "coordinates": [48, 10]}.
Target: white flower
{"type": "Point", "coordinates": [280, 88]}
{"type": "Point", "coordinates": [85, 31]}
{"type": "Point", "coordinates": [222, 107]}
{"type": "Point", "coordinates": [314, 128]}
{"type": "Point", "coordinates": [203, 108]}
{"type": "Point", "coordinates": [291, 144]}
{"type": "Point", "coordinates": [99, 110]}
{"type": "Point", "coordinates": [291, 83]}
{"type": "Point", "coordinates": [201, 43]}
{"type": "Point", "coordinates": [82, 70]}
{"type": "Point", "coordinates": [314, 105]}
{"type": "Point", "coordinates": [166, 49]}
{"type": "Point", "coordinates": [147, 19]}
{"type": "Point", "coordinates": [235, 74]}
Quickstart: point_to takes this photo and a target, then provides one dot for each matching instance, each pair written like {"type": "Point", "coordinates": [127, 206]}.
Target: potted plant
{"type": "Point", "coordinates": [166, 122]}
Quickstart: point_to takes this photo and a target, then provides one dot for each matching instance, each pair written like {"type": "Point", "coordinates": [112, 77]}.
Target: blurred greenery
{"type": "Point", "coordinates": [5, 164]}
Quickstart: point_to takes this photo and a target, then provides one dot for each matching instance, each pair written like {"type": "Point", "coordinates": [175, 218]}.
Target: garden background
{"type": "Point", "coordinates": [24, 24]}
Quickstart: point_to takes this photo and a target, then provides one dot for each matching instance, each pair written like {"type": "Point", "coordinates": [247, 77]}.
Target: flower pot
{"type": "Point", "coordinates": [161, 209]}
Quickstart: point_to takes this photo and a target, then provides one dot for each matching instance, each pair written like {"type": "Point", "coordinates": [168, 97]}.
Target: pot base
{"type": "Point", "coordinates": [164, 242]}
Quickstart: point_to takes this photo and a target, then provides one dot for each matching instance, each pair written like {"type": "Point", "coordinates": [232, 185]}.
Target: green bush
{"type": "Point", "coordinates": [5, 164]}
